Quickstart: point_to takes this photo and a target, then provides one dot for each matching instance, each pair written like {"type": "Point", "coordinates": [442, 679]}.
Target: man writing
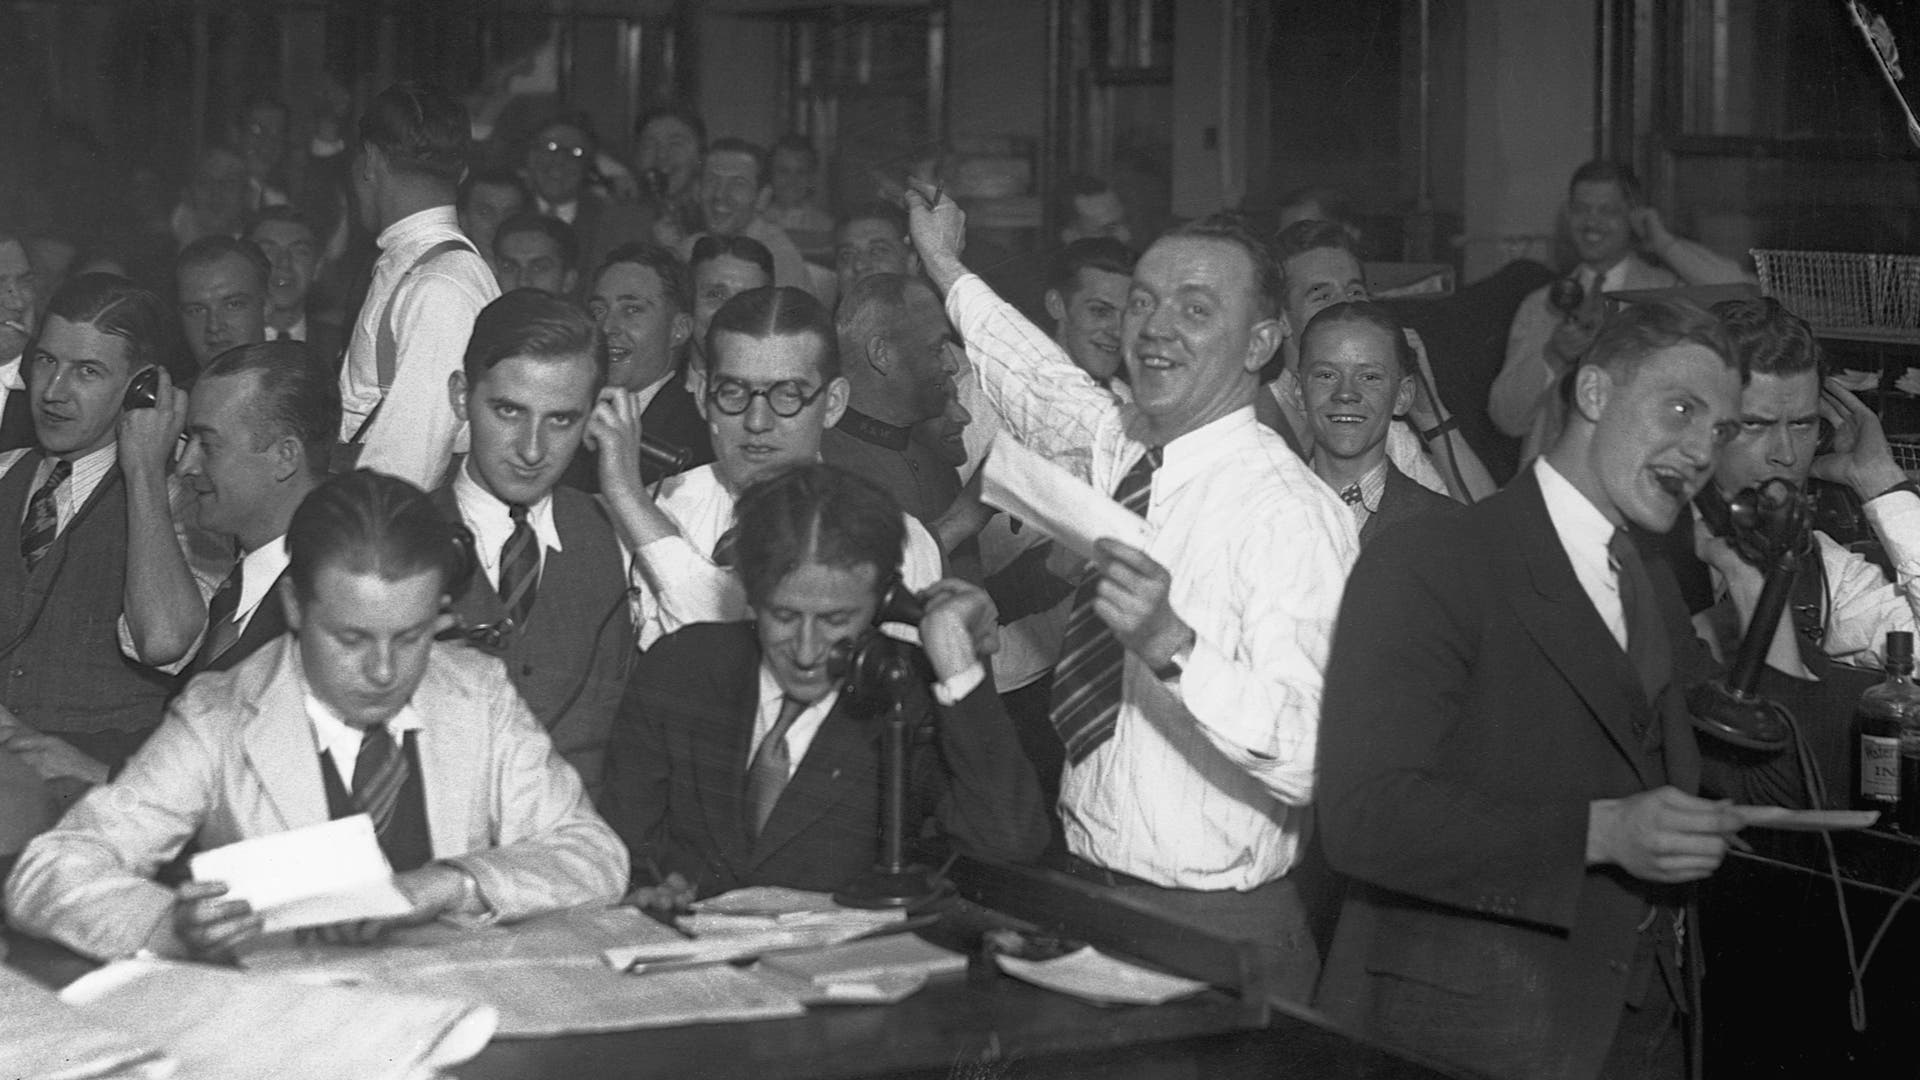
{"type": "Point", "coordinates": [1506, 759]}
{"type": "Point", "coordinates": [1188, 691]}
{"type": "Point", "coordinates": [359, 710]}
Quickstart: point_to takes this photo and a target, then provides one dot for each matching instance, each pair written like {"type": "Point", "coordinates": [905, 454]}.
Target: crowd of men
{"type": "Point", "coordinates": [541, 554]}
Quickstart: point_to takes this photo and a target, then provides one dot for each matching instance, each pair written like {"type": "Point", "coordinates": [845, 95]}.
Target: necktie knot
{"type": "Point", "coordinates": [42, 525]}
{"type": "Point", "coordinates": [518, 512]}
{"type": "Point", "coordinates": [1350, 494]}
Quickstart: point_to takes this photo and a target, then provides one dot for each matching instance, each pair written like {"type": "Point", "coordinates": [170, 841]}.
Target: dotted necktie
{"type": "Point", "coordinates": [1086, 683]}
{"type": "Point", "coordinates": [1350, 494]}
{"type": "Point", "coordinates": [768, 774]}
{"type": "Point", "coordinates": [43, 516]}
{"type": "Point", "coordinates": [519, 568]}
{"type": "Point", "coordinates": [379, 772]}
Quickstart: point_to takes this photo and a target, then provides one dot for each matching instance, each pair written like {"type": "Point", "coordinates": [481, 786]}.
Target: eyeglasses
{"type": "Point", "coordinates": [562, 149]}
{"type": "Point", "coordinates": [786, 397]}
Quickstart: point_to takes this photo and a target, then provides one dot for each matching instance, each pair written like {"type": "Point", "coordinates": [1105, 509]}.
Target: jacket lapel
{"type": "Point", "coordinates": [277, 739]}
{"type": "Point", "coordinates": [820, 780]}
{"type": "Point", "coordinates": [1556, 612]}
{"type": "Point", "coordinates": [451, 752]}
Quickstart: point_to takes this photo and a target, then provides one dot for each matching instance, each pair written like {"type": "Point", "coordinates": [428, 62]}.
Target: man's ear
{"type": "Point", "coordinates": [1056, 306]}
{"type": "Point", "coordinates": [681, 332]}
{"type": "Point", "coordinates": [1263, 343]}
{"type": "Point", "coordinates": [290, 603]}
{"type": "Point", "coordinates": [1592, 389]}
{"type": "Point", "coordinates": [289, 458]}
{"type": "Point", "coordinates": [838, 392]}
{"type": "Point", "coordinates": [878, 354]}
{"type": "Point", "coordinates": [1403, 397]}
{"type": "Point", "coordinates": [457, 393]}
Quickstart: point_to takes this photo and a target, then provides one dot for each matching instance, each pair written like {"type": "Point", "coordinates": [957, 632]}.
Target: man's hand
{"type": "Point", "coordinates": [668, 898]}
{"type": "Point", "coordinates": [147, 437]}
{"type": "Point", "coordinates": [960, 628]}
{"type": "Point", "coordinates": [50, 756]}
{"type": "Point", "coordinates": [434, 890]}
{"type": "Point", "coordinates": [210, 927]}
{"type": "Point", "coordinates": [1860, 457]}
{"type": "Point", "coordinates": [939, 230]}
{"type": "Point", "coordinates": [1576, 331]}
{"type": "Point", "coordinates": [1664, 835]}
{"type": "Point", "coordinates": [613, 430]}
{"type": "Point", "coordinates": [1650, 229]}
{"type": "Point", "coordinates": [1132, 601]}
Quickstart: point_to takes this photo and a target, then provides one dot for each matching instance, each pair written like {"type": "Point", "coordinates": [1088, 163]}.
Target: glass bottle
{"type": "Point", "coordinates": [1879, 723]}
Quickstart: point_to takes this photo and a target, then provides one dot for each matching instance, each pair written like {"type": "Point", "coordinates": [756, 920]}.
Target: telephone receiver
{"type": "Point", "coordinates": [871, 662]}
{"type": "Point", "coordinates": [1565, 295]}
{"type": "Point", "coordinates": [143, 390]}
{"type": "Point", "coordinates": [663, 455]}
{"type": "Point", "coordinates": [1764, 524]}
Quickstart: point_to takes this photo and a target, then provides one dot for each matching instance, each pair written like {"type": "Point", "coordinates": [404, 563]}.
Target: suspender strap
{"type": "Point", "coordinates": [386, 344]}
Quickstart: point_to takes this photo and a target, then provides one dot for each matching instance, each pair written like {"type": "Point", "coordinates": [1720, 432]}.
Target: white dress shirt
{"type": "Point", "coordinates": [675, 577]}
{"type": "Point", "coordinates": [1203, 783]}
{"type": "Point", "coordinates": [342, 740]}
{"type": "Point", "coordinates": [11, 381]}
{"type": "Point", "coordinates": [492, 523]}
{"type": "Point", "coordinates": [414, 436]}
{"type": "Point", "coordinates": [1585, 533]}
{"type": "Point", "coordinates": [260, 570]}
{"type": "Point", "coordinates": [81, 483]}
{"type": "Point", "coordinates": [804, 727]}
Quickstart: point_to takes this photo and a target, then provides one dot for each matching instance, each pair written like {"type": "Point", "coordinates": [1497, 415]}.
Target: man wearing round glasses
{"type": "Point", "coordinates": [773, 386]}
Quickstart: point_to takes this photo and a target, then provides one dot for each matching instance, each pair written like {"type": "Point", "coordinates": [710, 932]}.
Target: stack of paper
{"type": "Point", "coordinates": [44, 1038]}
{"type": "Point", "coordinates": [219, 1024]}
{"type": "Point", "coordinates": [880, 970]}
{"type": "Point", "coordinates": [1092, 975]}
{"type": "Point", "coordinates": [314, 876]}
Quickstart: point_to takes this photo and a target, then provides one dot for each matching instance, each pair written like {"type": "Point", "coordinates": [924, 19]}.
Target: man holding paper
{"type": "Point", "coordinates": [1188, 691]}
{"type": "Point", "coordinates": [359, 710]}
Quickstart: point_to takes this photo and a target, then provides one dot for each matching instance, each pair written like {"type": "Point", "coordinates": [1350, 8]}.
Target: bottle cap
{"type": "Point", "coordinates": [1900, 648]}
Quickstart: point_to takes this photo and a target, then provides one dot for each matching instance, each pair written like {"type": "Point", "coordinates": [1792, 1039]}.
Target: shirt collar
{"type": "Point", "coordinates": [1584, 531]}
{"type": "Point", "coordinates": [416, 225]}
{"type": "Point", "coordinates": [643, 397]}
{"type": "Point", "coordinates": [878, 432]}
{"type": "Point", "coordinates": [341, 739]}
{"type": "Point", "coordinates": [491, 520]}
{"type": "Point", "coordinates": [10, 375]}
{"type": "Point", "coordinates": [259, 571]}
{"type": "Point", "coordinates": [770, 695]}
{"type": "Point", "coordinates": [1204, 449]}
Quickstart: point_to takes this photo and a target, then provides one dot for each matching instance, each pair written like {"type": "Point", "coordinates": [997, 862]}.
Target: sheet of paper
{"type": "Point", "coordinates": [328, 873]}
{"type": "Point", "coordinates": [44, 1038]}
{"type": "Point", "coordinates": [228, 1025]}
{"type": "Point", "coordinates": [1053, 500]}
{"type": "Point", "coordinates": [1092, 975]}
{"type": "Point", "coordinates": [1780, 817]}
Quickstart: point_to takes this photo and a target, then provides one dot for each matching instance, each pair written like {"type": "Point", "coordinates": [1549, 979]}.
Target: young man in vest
{"type": "Point", "coordinates": [86, 535]}
{"type": "Point", "coordinates": [551, 597]}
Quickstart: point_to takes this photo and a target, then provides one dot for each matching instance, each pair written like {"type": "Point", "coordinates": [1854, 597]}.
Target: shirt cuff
{"type": "Point", "coordinates": [953, 691]}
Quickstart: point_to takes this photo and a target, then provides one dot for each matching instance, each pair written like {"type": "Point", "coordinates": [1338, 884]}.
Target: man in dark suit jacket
{"type": "Point", "coordinates": [292, 247]}
{"type": "Point", "coordinates": [1356, 374]}
{"type": "Point", "coordinates": [740, 759]}
{"type": "Point", "coordinates": [1505, 759]}
{"type": "Point", "coordinates": [643, 300]}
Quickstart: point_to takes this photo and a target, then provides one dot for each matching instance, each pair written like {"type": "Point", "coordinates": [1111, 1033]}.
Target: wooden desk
{"type": "Point", "coordinates": [982, 1026]}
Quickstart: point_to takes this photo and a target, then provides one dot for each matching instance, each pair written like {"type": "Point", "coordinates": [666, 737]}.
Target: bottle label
{"type": "Point", "coordinates": [1880, 768]}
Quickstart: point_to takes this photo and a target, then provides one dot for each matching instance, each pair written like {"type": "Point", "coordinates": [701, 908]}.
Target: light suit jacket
{"type": "Point", "coordinates": [236, 758]}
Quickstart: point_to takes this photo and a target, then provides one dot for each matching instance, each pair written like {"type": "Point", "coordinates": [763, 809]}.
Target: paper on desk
{"type": "Point", "coordinates": [1092, 975]}
{"type": "Point", "coordinates": [44, 1038]}
{"type": "Point", "coordinates": [766, 907]}
{"type": "Point", "coordinates": [1780, 817]}
{"type": "Point", "coordinates": [321, 874]}
{"type": "Point", "coordinates": [545, 976]}
{"type": "Point", "coordinates": [1053, 500]}
{"type": "Point", "coordinates": [221, 1024]}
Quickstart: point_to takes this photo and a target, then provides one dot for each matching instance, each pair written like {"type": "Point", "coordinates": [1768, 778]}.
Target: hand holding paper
{"type": "Point", "coordinates": [1056, 502]}
{"type": "Point", "coordinates": [304, 877]}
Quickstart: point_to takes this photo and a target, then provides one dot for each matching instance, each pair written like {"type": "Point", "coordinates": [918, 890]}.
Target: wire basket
{"type": "Point", "coordinates": [1906, 453]}
{"type": "Point", "coordinates": [1846, 294]}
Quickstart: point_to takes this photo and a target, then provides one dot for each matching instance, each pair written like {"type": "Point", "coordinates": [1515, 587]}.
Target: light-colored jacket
{"type": "Point", "coordinates": [236, 758]}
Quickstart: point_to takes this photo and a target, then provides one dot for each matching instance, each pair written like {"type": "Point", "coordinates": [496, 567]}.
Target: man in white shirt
{"type": "Point", "coordinates": [220, 286]}
{"type": "Point", "coordinates": [428, 285]}
{"type": "Point", "coordinates": [1608, 219]}
{"type": "Point", "coordinates": [19, 314]}
{"type": "Point", "coordinates": [1507, 763]}
{"type": "Point", "coordinates": [358, 711]}
{"type": "Point", "coordinates": [774, 387]}
{"type": "Point", "coordinates": [1188, 693]}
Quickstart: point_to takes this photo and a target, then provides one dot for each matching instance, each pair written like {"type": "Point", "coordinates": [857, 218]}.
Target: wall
{"type": "Point", "coordinates": [997, 69]}
{"type": "Point", "coordinates": [1529, 122]}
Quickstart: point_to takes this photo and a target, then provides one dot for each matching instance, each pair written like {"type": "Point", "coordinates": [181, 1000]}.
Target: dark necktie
{"type": "Point", "coordinates": [42, 526]}
{"type": "Point", "coordinates": [379, 772]}
{"type": "Point", "coordinates": [723, 549]}
{"type": "Point", "coordinates": [16, 420]}
{"type": "Point", "coordinates": [1087, 681]}
{"type": "Point", "coordinates": [222, 628]}
{"type": "Point", "coordinates": [1350, 494]}
{"type": "Point", "coordinates": [767, 775]}
{"type": "Point", "coordinates": [519, 568]}
{"type": "Point", "coordinates": [1647, 645]}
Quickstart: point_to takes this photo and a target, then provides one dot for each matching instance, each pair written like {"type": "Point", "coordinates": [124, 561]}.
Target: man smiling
{"type": "Point", "coordinates": [1188, 691]}
{"type": "Point", "coordinates": [734, 188]}
{"type": "Point", "coordinates": [550, 597]}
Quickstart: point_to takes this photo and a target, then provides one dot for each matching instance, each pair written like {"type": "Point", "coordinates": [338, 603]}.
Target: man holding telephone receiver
{"type": "Point", "coordinates": [737, 761]}
{"type": "Point", "coordinates": [88, 536]}
{"type": "Point", "coordinates": [1613, 232]}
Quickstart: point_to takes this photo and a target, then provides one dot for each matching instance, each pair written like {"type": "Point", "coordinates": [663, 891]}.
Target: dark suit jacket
{"type": "Point", "coordinates": [328, 342]}
{"type": "Point", "coordinates": [677, 767]}
{"type": "Point", "coordinates": [1403, 500]}
{"type": "Point", "coordinates": [1475, 704]}
{"type": "Point", "coordinates": [672, 417]}
{"type": "Point", "coordinates": [268, 623]}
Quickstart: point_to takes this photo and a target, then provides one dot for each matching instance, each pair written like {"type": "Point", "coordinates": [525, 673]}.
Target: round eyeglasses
{"type": "Point", "coordinates": [786, 397]}
{"type": "Point", "coordinates": [559, 149]}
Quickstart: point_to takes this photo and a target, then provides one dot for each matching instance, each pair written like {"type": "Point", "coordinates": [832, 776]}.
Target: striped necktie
{"type": "Point", "coordinates": [519, 568]}
{"type": "Point", "coordinates": [1087, 681]}
{"type": "Point", "coordinates": [43, 516]}
{"type": "Point", "coordinates": [379, 772]}
{"type": "Point", "coordinates": [767, 776]}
